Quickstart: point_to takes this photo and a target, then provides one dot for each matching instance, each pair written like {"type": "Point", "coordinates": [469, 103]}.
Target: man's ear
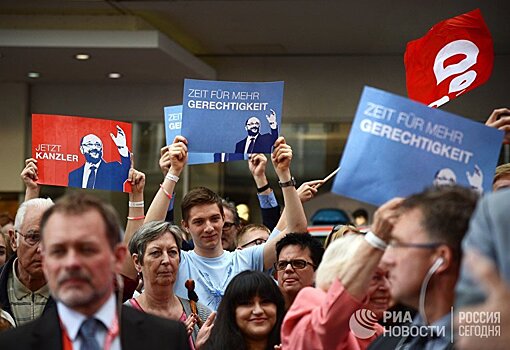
{"type": "Point", "coordinates": [12, 239]}
{"type": "Point", "coordinates": [448, 259]}
{"type": "Point", "coordinates": [120, 253]}
{"type": "Point", "coordinates": [81, 150]}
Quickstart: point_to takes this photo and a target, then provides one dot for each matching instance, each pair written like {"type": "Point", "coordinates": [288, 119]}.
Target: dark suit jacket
{"type": "Point", "coordinates": [263, 143]}
{"type": "Point", "coordinates": [138, 331]}
{"type": "Point", "coordinates": [109, 176]}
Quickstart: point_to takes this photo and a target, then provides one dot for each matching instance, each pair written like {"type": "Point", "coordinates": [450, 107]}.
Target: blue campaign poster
{"type": "Point", "coordinates": [231, 117]}
{"type": "Point", "coordinates": [173, 123]}
{"type": "Point", "coordinates": [398, 147]}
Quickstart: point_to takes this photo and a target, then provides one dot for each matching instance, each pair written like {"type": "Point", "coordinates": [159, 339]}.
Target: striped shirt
{"type": "Point", "coordinates": [25, 304]}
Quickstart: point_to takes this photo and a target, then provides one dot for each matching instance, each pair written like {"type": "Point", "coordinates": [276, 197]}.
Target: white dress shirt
{"type": "Point", "coordinates": [72, 321]}
{"type": "Point", "coordinates": [86, 173]}
{"type": "Point", "coordinates": [248, 141]}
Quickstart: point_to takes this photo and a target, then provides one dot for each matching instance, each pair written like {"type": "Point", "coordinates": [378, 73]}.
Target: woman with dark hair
{"type": "Point", "coordinates": [250, 314]}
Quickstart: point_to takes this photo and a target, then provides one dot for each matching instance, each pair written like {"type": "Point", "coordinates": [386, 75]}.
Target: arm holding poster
{"type": "Point", "coordinates": [135, 216]}
{"type": "Point", "coordinates": [296, 220]}
{"type": "Point", "coordinates": [269, 207]}
{"type": "Point", "coordinates": [305, 192]}
{"type": "Point", "coordinates": [177, 156]}
{"type": "Point", "coordinates": [30, 177]}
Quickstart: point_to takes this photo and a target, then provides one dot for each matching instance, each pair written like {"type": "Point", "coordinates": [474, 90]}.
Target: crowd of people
{"type": "Point", "coordinates": [72, 278]}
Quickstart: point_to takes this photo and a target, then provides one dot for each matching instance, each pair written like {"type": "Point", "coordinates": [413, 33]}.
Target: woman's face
{"type": "Point", "coordinates": [161, 261]}
{"type": "Point", "coordinates": [379, 292]}
{"type": "Point", "coordinates": [256, 318]}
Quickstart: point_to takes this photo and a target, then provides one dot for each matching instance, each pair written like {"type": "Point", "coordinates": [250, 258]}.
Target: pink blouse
{"type": "Point", "coordinates": [319, 320]}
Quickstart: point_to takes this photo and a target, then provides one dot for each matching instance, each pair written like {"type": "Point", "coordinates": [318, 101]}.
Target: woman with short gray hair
{"type": "Point", "coordinates": [155, 249]}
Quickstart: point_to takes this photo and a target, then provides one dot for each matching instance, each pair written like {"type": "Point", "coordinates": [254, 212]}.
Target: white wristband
{"type": "Point", "coordinates": [375, 241]}
{"type": "Point", "coordinates": [136, 204]}
{"type": "Point", "coordinates": [172, 178]}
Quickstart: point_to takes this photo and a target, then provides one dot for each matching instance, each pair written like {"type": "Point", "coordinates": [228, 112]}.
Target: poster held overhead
{"type": "Point", "coordinates": [231, 117]}
{"type": "Point", "coordinates": [173, 126]}
{"type": "Point", "coordinates": [398, 147]}
{"type": "Point", "coordinates": [82, 152]}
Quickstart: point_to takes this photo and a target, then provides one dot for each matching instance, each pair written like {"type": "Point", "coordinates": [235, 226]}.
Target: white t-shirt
{"type": "Point", "coordinates": [212, 275]}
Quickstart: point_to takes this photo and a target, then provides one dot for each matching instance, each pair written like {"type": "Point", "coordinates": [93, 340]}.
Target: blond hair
{"type": "Point", "coordinates": [336, 259]}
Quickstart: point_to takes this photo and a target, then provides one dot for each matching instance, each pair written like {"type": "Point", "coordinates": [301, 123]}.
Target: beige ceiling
{"type": "Point", "coordinates": [165, 41]}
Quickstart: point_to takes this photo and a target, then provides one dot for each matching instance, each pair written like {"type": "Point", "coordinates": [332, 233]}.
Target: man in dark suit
{"type": "Point", "coordinates": [81, 252]}
{"type": "Point", "coordinates": [255, 142]}
{"type": "Point", "coordinates": [96, 172]}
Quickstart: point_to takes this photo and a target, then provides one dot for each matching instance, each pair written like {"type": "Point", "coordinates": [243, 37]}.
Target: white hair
{"type": "Point", "coordinates": [43, 203]}
{"type": "Point", "coordinates": [336, 259]}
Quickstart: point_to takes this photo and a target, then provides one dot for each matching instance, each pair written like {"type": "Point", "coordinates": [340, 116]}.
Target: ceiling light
{"type": "Point", "coordinates": [114, 75]}
{"type": "Point", "coordinates": [82, 56]}
{"type": "Point", "coordinates": [33, 75]}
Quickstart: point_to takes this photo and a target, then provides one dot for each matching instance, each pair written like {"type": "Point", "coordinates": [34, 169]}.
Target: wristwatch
{"type": "Point", "coordinates": [291, 182]}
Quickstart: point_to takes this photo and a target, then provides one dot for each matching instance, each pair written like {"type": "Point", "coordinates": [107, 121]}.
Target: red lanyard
{"type": "Point", "coordinates": [112, 333]}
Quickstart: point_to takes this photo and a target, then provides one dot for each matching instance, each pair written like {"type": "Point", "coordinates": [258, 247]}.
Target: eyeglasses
{"type": "Point", "coordinates": [227, 225]}
{"type": "Point", "coordinates": [297, 264]}
{"type": "Point", "coordinates": [90, 145]}
{"type": "Point", "coordinates": [430, 245]}
{"type": "Point", "coordinates": [31, 237]}
{"type": "Point", "coordinates": [256, 241]}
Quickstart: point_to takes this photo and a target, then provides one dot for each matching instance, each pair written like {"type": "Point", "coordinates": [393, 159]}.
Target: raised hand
{"type": "Point", "coordinates": [308, 190]}
{"type": "Point", "coordinates": [500, 119]}
{"type": "Point", "coordinates": [385, 218]}
{"type": "Point", "coordinates": [164, 160]}
{"type": "Point", "coordinates": [29, 174]}
{"type": "Point", "coordinates": [137, 180]}
{"type": "Point", "coordinates": [257, 164]}
{"type": "Point", "coordinates": [281, 158]}
{"type": "Point", "coordinates": [178, 152]}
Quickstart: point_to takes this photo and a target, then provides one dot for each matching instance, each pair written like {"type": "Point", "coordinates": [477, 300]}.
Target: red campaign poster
{"type": "Point", "coordinates": [455, 56]}
{"type": "Point", "coordinates": [82, 152]}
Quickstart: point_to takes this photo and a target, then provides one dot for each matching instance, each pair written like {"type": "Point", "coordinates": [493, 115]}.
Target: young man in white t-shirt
{"type": "Point", "coordinates": [208, 264]}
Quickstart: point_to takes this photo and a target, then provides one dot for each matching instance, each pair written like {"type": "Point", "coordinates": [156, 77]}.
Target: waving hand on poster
{"type": "Point", "coordinates": [120, 141]}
